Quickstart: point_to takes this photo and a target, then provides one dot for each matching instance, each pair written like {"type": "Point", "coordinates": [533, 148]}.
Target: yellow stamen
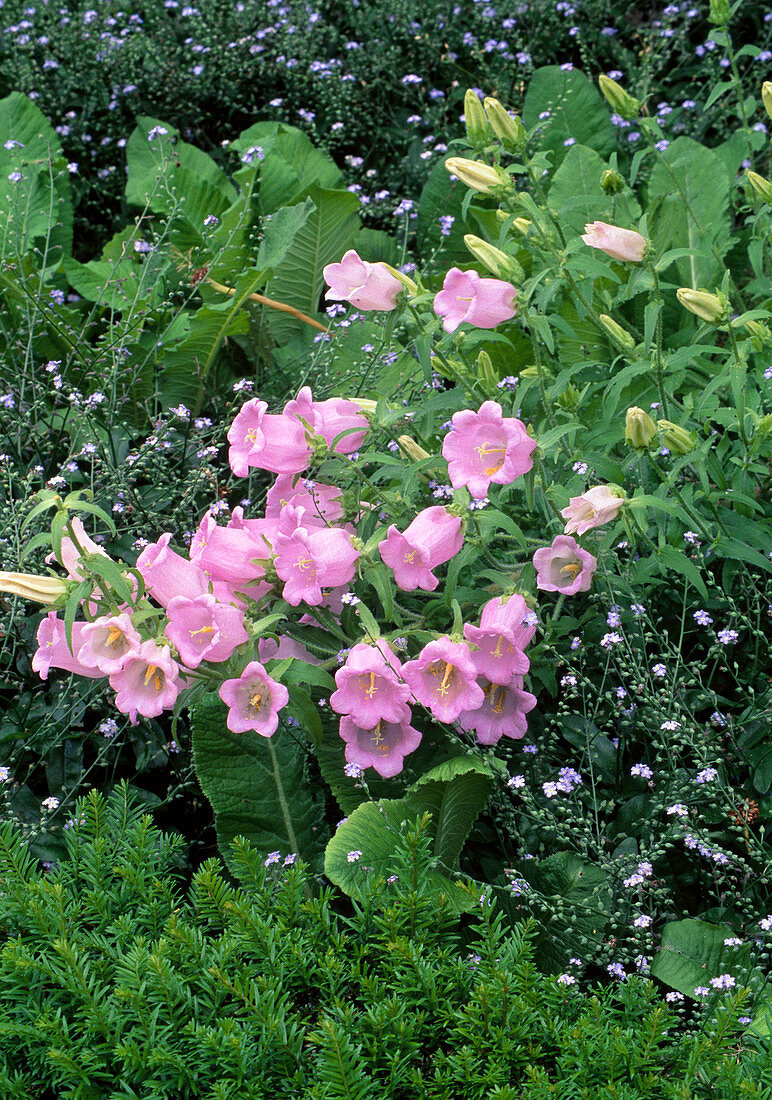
{"type": "Point", "coordinates": [378, 738]}
{"type": "Point", "coordinates": [304, 564]}
{"type": "Point", "coordinates": [153, 673]}
{"type": "Point", "coordinates": [497, 650]}
{"type": "Point", "coordinates": [488, 449]}
{"type": "Point", "coordinates": [447, 679]}
{"type": "Point", "coordinates": [410, 557]}
{"type": "Point", "coordinates": [371, 690]}
{"type": "Point", "coordinates": [255, 704]}
{"type": "Point", "coordinates": [114, 636]}
{"type": "Point", "coordinates": [251, 436]}
{"type": "Point", "coordinates": [496, 706]}
{"type": "Point", "coordinates": [202, 630]}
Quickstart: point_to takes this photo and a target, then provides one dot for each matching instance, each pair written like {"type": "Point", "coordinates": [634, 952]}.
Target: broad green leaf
{"type": "Point", "coordinates": [291, 166]}
{"type": "Point", "coordinates": [577, 110]}
{"type": "Point", "coordinates": [578, 198]}
{"type": "Point", "coordinates": [693, 952]}
{"type": "Point", "coordinates": [257, 786]}
{"type": "Point", "coordinates": [281, 229]}
{"type": "Point", "coordinates": [454, 792]}
{"type": "Point", "coordinates": [583, 890]}
{"type": "Point", "coordinates": [674, 559]}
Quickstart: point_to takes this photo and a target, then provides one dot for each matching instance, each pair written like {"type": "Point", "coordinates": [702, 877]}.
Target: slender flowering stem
{"type": "Point", "coordinates": [272, 304]}
{"type": "Point", "coordinates": [658, 347]}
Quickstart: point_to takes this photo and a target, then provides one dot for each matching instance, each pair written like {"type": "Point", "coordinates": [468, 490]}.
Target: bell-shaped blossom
{"type": "Point", "coordinates": [564, 566]}
{"type": "Point", "coordinates": [148, 683]}
{"type": "Point", "coordinates": [266, 441]}
{"type": "Point", "coordinates": [433, 538]}
{"type": "Point", "coordinates": [500, 639]}
{"type": "Point", "coordinates": [597, 506]}
{"type": "Point", "coordinates": [383, 746]}
{"type": "Point", "coordinates": [368, 686]}
{"type": "Point", "coordinates": [466, 296]}
{"type": "Point", "coordinates": [619, 244]}
{"type": "Point", "coordinates": [366, 285]}
{"type": "Point", "coordinates": [254, 701]}
{"type": "Point", "coordinates": [204, 629]}
{"type": "Point", "coordinates": [486, 446]}
{"type": "Point", "coordinates": [308, 561]}
{"type": "Point", "coordinates": [329, 418]}
{"type": "Point", "coordinates": [502, 713]}
{"type": "Point", "coordinates": [236, 555]}
{"type": "Point", "coordinates": [70, 554]}
{"type": "Point", "coordinates": [54, 652]}
{"type": "Point", "coordinates": [167, 574]}
{"type": "Point", "coordinates": [444, 679]}
{"type": "Point", "coordinates": [107, 641]}
{"type": "Point", "coordinates": [323, 504]}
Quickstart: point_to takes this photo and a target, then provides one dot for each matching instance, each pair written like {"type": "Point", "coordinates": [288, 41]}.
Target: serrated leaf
{"type": "Point", "coordinates": [577, 110]}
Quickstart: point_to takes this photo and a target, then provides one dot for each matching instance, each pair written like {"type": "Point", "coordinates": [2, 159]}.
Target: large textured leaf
{"type": "Point", "coordinates": [326, 234]}
{"type": "Point", "coordinates": [688, 207]}
{"type": "Point", "coordinates": [693, 952]}
{"type": "Point", "coordinates": [38, 207]}
{"type": "Point", "coordinates": [454, 792]}
{"type": "Point", "coordinates": [578, 198]}
{"type": "Point", "coordinates": [585, 897]}
{"type": "Point", "coordinates": [577, 111]}
{"type": "Point", "coordinates": [256, 785]}
{"type": "Point", "coordinates": [291, 163]}
{"type": "Point", "coordinates": [121, 276]}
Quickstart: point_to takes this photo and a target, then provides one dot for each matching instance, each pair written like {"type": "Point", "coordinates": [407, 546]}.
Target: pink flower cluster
{"type": "Point", "coordinates": [564, 567]}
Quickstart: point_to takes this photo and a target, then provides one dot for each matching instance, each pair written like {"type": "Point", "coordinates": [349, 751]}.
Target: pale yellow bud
{"type": "Point", "coordinates": [478, 176]}
{"type": "Point", "coordinates": [712, 308]}
{"type": "Point", "coordinates": [621, 101]}
{"type": "Point", "coordinates": [406, 281]}
{"type": "Point", "coordinates": [760, 185]}
{"type": "Point", "coordinates": [522, 225]}
{"type": "Point", "coordinates": [477, 129]}
{"type": "Point", "coordinates": [485, 370]}
{"type": "Point", "coordinates": [621, 337]}
{"type": "Point", "coordinates": [366, 404]}
{"type": "Point", "coordinates": [677, 440]}
{"type": "Point", "coordinates": [640, 429]}
{"type": "Point", "coordinates": [31, 586]}
{"type": "Point", "coordinates": [508, 129]}
{"type": "Point", "coordinates": [766, 96]}
{"type": "Point", "coordinates": [496, 261]}
{"type": "Point", "coordinates": [412, 449]}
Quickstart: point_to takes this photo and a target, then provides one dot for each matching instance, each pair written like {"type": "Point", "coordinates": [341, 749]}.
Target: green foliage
{"type": "Point", "coordinates": [114, 978]}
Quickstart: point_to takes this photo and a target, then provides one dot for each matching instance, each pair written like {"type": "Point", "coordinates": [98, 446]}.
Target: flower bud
{"type": "Point", "coordinates": [533, 372]}
{"type": "Point", "coordinates": [569, 399]}
{"type": "Point", "coordinates": [761, 186]}
{"type": "Point", "coordinates": [640, 429]}
{"type": "Point", "coordinates": [30, 586]}
{"type": "Point", "coordinates": [497, 262]}
{"type": "Point", "coordinates": [759, 332]}
{"type": "Point", "coordinates": [478, 176]}
{"type": "Point", "coordinates": [611, 182]}
{"type": "Point", "coordinates": [366, 404]}
{"type": "Point", "coordinates": [677, 440]}
{"type": "Point", "coordinates": [766, 96]}
{"type": "Point", "coordinates": [485, 370]}
{"type": "Point", "coordinates": [713, 308]}
{"type": "Point", "coordinates": [620, 336]}
{"type": "Point", "coordinates": [720, 12]}
{"type": "Point", "coordinates": [510, 131]}
{"type": "Point", "coordinates": [477, 129]}
{"type": "Point", "coordinates": [617, 98]}
{"type": "Point", "coordinates": [412, 449]}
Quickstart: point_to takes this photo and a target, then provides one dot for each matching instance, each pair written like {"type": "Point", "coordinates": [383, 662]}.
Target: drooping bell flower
{"type": "Point", "coordinates": [500, 640]}
{"type": "Point", "coordinates": [232, 554]}
{"type": "Point", "coordinates": [444, 679]}
{"type": "Point", "coordinates": [322, 503]}
{"type": "Point", "coordinates": [384, 746]}
{"type": "Point", "coordinates": [433, 538]}
{"type": "Point", "coordinates": [107, 641]}
{"type": "Point", "coordinates": [502, 714]}
{"type": "Point", "coordinates": [597, 506]}
{"type": "Point", "coordinates": [167, 574]}
{"type": "Point", "coordinates": [70, 555]}
{"type": "Point", "coordinates": [368, 686]}
{"type": "Point", "coordinates": [619, 244]}
{"type": "Point", "coordinates": [366, 285]}
{"type": "Point", "coordinates": [564, 566]}
{"type": "Point", "coordinates": [204, 629]}
{"type": "Point", "coordinates": [486, 446]}
{"type": "Point", "coordinates": [329, 418]}
{"type": "Point", "coordinates": [308, 561]}
{"type": "Point", "coordinates": [465, 296]}
{"type": "Point", "coordinates": [53, 651]}
{"type": "Point", "coordinates": [265, 441]}
{"type": "Point", "coordinates": [148, 683]}
{"type": "Point", "coordinates": [254, 701]}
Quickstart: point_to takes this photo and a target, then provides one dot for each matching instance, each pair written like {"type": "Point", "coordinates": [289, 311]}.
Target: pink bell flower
{"type": "Point", "coordinates": [564, 566]}
{"type": "Point", "coordinates": [53, 651]}
{"type": "Point", "coordinates": [265, 441]}
{"type": "Point", "coordinates": [465, 296]}
{"type": "Point", "coordinates": [433, 538]}
{"type": "Point", "coordinates": [107, 641]}
{"type": "Point", "coordinates": [502, 714]}
{"type": "Point", "coordinates": [444, 679]}
{"type": "Point", "coordinates": [323, 504]}
{"type": "Point", "coordinates": [500, 640]}
{"type": "Point", "coordinates": [148, 683]}
{"type": "Point", "coordinates": [619, 244]}
{"type": "Point", "coordinates": [486, 446]}
{"type": "Point", "coordinates": [329, 418]}
{"type": "Point", "coordinates": [597, 506]}
{"type": "Point", "coordinates": [254, 701]}
{"type": "Point", "coordinates": [236, 555]}
{"type": "Point", "coordinates": [384, 746]}
{"type": "Point", "coordinates": [204, 629]}
{"type": "Point", "coordinates": [269, 649]}
{"type": "Point", "coordinates": [368, 687]}
{"type": "Point", "coordinates": [308, 561]}
{"type": "Point", "coordinates": [367, 286]}
{"type": "Point", "coordinates": [167, 574]}
{"type": "Point", "coordinates": [70, 556]}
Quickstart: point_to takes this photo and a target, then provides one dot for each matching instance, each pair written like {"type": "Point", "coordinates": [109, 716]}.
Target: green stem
{"type": "Point", "coordinates": [741, 407]}
{"type": "Point", "coordinates": [658, 350]}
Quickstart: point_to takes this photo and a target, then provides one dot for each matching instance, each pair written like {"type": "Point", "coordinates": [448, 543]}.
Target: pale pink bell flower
{"type": "Point", "coordinates": [148, 683]}
{"type": "Point", "coordinates": [383, 746]}
{"type": "Point", "coordinates": [502, 714]}
{"type": "Point", "coordinates": [433, 538]}
{"type": "Point", "coordinates": [500, 640]}
{"type": "Point", "coordinates": [204, 629]}
{"type": "Point", "coordinates": [444, 679]}
{"type": "Point", "coordinates": [597, 506]}
{"type": "Point", "coordinates": [465, 296]}
{"type": "Point", "coordinates": [329, 418]}
{"type": "Point", "coordinates": [368, 686]}
{"type": "Point", "coordinates": [619, 244]}
{"type": "Point", "coordinates": [107, 641]}
{"type": "Point", "coordinates": [486, 447]}
{"type": "Point", "coordinates": [564, 566]}
{"type": "Point", "coordinates": [167, 574]}
{"type": "Point", "coordinates": [264, 441]}
{"type": "Point", "coordinates": [53, 651]}
{"type": "Point", "coordinates": [322, 503]}
{"type": "Point", "coordinates": [254, 701]}
{"type": "Point", "coordinates": [366, 285]}
{"type": "Point", "coordinates": [308, 561]}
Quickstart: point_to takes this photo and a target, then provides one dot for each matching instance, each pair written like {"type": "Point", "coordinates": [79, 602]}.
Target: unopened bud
{"type": "Point", "coordinates": [568, 400]}
{"type": "Point", "coordinates": [412, 449]}
{"type": "Point", "coordinates": [640, 429]}
{"type": "Point", "coordinates": [677, 440]}
{"type": "Point", "coordinates": [366, 404]}
{"type": "Point", "coordinates": [759, 332]}
{"type": "Point", "coordinates": [533, 372]}
{"type": "Point", "coordinates": [485, 370]}
{"type": "Point", "coordinates": [497, 262]}
{"type": "Point", "coordinates": [713, 308]}
{"type": "Point", "coordinates": [508, 129]}
{"type": "Point", "coordinates": [760, 185]}
{"type": "Point", "coordinates": [30, 586]}
{"type": "Point", "coordinates": [611, 182]}
{"type": "Point", "coordinates": [480, 177]}
{"type": "Point", "coordinates": [766, 96]}
{"type": "Point", "coordinates": [720, 12]}
{"type": "Point", "coordinates": [620, 336]}
{"type": "Point", "coordinates": [477, 129]}
{"type": "Point", "coordinates": [617, 98]}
